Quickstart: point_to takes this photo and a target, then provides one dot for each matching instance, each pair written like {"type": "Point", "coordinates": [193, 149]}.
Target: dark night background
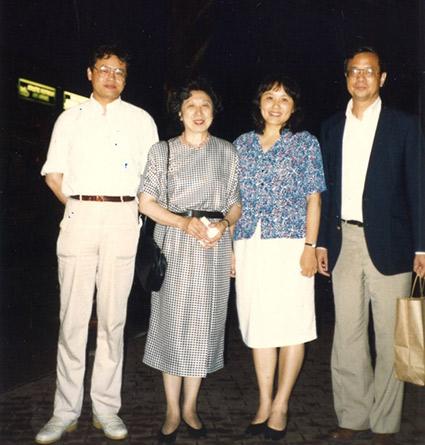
{"type": "Point", "coordinates": [232, 42]}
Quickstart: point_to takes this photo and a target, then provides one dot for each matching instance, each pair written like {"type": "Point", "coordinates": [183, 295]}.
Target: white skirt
{"type": "Point", "coordinates": [275, 302]}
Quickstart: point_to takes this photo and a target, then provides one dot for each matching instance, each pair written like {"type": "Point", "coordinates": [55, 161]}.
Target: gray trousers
{"type": "Point", "coordinates": [365, 397]}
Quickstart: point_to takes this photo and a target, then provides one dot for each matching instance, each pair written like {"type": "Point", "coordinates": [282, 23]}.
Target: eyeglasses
{"type": "Point", "coordinates": [105, 71]}
{"type": "Point", "coordinates": [355, 72]}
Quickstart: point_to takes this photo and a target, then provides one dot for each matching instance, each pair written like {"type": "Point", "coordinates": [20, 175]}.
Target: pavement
{"type": "Point", "coordinates": [227, 399]}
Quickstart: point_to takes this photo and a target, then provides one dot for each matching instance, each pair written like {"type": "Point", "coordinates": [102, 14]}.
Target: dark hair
{"type": "Point", "coordinates": [180, 94]}
{"type": "Point", "coordinates": [291, 88]}
{"type": "Point", "coordinates": [103, 51]}
{"type": "Point", "coordinates": [364, 49]}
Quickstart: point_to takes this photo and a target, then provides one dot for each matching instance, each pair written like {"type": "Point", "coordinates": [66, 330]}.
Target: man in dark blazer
{"type": "Point", "coordinates": [372, 232]}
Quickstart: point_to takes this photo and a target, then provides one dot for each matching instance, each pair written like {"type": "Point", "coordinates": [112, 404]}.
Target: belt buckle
{"type": "Point", "coordinates": [190, 213]}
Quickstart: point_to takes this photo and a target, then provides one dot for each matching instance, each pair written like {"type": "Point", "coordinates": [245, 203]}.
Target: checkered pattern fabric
{"type": "Point", "coordinates": [186, 331]}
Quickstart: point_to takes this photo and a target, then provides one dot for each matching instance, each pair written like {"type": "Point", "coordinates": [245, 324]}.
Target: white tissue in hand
{"type": "Point", "coordinates": [212, 231]}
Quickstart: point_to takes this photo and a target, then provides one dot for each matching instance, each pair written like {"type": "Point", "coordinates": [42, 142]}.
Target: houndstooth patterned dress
{"type": "Point", "coordinates": [188, 314]}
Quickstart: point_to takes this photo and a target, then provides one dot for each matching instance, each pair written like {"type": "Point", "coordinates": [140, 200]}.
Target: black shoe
{"type": "Point", "coordinates": [167, 438]}
{"type": "Point", "coordinates": [196, 433]}
{"type": "Point", "coordinates": [273, 434]}
{"type": "Point", "coordinates": [254, 429]}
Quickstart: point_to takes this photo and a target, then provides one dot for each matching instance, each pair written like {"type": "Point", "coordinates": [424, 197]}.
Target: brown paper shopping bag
{"type": "Point", "coordinates": [410, 338]}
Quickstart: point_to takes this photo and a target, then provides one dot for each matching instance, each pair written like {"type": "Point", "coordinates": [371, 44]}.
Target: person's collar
{"type": "Point", "coordinates": [111, 106]}
{"type": "Point", "coordinates": [373, 108]}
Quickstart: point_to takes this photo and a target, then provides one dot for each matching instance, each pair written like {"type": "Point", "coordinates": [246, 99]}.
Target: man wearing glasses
{"type": "Point", "coordinates": [372, 233]}
{"type": "Point", "coordinates": [96, 156]}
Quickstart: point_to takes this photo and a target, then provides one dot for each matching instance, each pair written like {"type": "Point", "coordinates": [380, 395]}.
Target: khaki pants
{"type": "Point", "coordinates": [365, 397]}
{"type": "Point", "coordinates": [96, 248]}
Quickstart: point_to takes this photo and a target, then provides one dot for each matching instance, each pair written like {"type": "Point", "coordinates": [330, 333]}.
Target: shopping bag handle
{"type": "Point", "coordinates": [421, 286]}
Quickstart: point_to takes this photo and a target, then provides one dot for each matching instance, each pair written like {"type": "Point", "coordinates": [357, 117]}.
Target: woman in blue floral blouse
{"type": "Point", "coordinates": [281, 177]}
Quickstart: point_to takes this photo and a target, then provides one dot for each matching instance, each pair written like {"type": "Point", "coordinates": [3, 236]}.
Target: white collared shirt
{"type": "Point", "coordinates": [356, 148]}
{"type": "Point", "coordinates": [98, 151]}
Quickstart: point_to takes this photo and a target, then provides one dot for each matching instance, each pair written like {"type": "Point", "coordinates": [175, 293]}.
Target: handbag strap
{"type": "Point", "coordinates": [166, 190]}
{"type": "Point", "coordinates": [149, 224]}
{"type": "Point", "coordinates": [421, 286]}
{"type": "Point", "coordinates": [166, 174]}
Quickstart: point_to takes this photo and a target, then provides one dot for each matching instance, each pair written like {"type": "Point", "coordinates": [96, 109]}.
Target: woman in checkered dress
{"type": "Point", "coordinates": [186, 330]}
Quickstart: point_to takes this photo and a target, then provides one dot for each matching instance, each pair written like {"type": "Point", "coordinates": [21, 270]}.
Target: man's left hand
{"type": "Point", "coordinates": [419, 265]}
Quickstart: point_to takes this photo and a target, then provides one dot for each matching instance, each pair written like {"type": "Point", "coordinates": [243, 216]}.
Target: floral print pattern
{"type": "Point", "coordinates": [274, 185]}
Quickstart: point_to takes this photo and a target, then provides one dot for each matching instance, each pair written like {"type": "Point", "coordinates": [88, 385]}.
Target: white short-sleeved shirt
{"type": "Point", "coordinates": [98, 151]}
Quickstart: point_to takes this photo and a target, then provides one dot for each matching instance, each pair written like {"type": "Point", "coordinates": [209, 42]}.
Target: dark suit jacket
{"type": "Point", "coordinates": [393, 195]}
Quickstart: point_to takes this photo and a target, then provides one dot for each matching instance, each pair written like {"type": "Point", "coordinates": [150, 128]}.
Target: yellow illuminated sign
{"type": "Point", "coordinates": [71, 99]}
{"type": "Point", "coordinates": [37, 92]}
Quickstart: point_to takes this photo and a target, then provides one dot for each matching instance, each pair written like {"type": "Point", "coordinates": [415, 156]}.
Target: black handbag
{"type": "Point", "coordinates": [151, 263]}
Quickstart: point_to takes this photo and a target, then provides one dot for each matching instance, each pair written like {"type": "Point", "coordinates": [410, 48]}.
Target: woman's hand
{"type": "Point", "coordinates": [193, 226]}
{"type": "Point", "coordinates": [308, 262]}
{"type": "Point", "coordinates": [228, 222]}
{"type": "Point", "coordinates": [221, 226]}
{"type": "Point", "coordinates": [212, 242]}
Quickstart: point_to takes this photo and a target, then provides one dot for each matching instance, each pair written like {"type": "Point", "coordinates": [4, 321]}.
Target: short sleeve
{"type": "Point", "coordinates": [233, 195]}
{"type": "Point", "coordinates": [150, 137]}
{"type": "Point", "coordinates": [60, 142]}
{"type": "Point", "coordinates": [314, 175]}
{"type": "Point", "coordinates": [153, 180]}
{"type": "Point", "coordinates": [149, 182]}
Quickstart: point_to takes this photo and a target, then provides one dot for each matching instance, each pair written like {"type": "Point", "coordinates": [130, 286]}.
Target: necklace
{"type": "Point", "coordinates": [192, 145]}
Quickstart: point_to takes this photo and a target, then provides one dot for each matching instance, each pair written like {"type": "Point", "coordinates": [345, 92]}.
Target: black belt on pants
{"type": "Point", "coordinates": [101, 198]}
{"type": "Point", "coordinates": [200, 214]}
{"type": "Point", "coordinates": [353, 222]}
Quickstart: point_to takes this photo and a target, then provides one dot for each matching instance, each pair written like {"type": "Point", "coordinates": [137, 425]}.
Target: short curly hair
{"type": "Point", "coordinates": [291, 88]}
{"type": "Point", "coordinates": [182, 93]}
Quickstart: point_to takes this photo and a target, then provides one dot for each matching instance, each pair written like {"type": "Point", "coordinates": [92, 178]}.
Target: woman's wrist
{"type": "Point", "coordinates": [225, 222]}
{"type": "Point", "coordinates": [309, 250]}
{"type": "Point", "coordinates": [183, 223]}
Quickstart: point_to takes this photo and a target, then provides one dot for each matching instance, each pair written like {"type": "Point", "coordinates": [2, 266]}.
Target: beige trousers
{"type": "Point", "coordinates": [365, 397]}
{"type": "Point", "coordinates": [96, 249]}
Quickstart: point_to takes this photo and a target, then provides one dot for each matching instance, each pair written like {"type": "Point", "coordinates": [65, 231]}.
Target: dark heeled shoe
{"type": "Point", "coordinates": [271, 433]}
{"type": "Point", "coordinates": [167, 438]}
{"type": "Point", "coordinates": [255, 429]}
{"type": "Point", "coordinates": [196, 433]}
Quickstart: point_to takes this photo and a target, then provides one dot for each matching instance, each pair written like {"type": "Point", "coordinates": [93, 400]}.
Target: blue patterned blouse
{"type": "Point", "coordinates": [274, 185]}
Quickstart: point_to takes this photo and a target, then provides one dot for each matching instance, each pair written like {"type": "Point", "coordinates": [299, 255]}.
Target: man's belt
{"type": "Point", "coordinates": [101, 198]}
{"type": "Point", "coordinates": [353, 222]}
{"type": "Point", "coordinates": [200, 214]}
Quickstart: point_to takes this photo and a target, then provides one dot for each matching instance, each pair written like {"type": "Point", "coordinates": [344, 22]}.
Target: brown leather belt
{"type": "Point", "coordinates": [100, 198]}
